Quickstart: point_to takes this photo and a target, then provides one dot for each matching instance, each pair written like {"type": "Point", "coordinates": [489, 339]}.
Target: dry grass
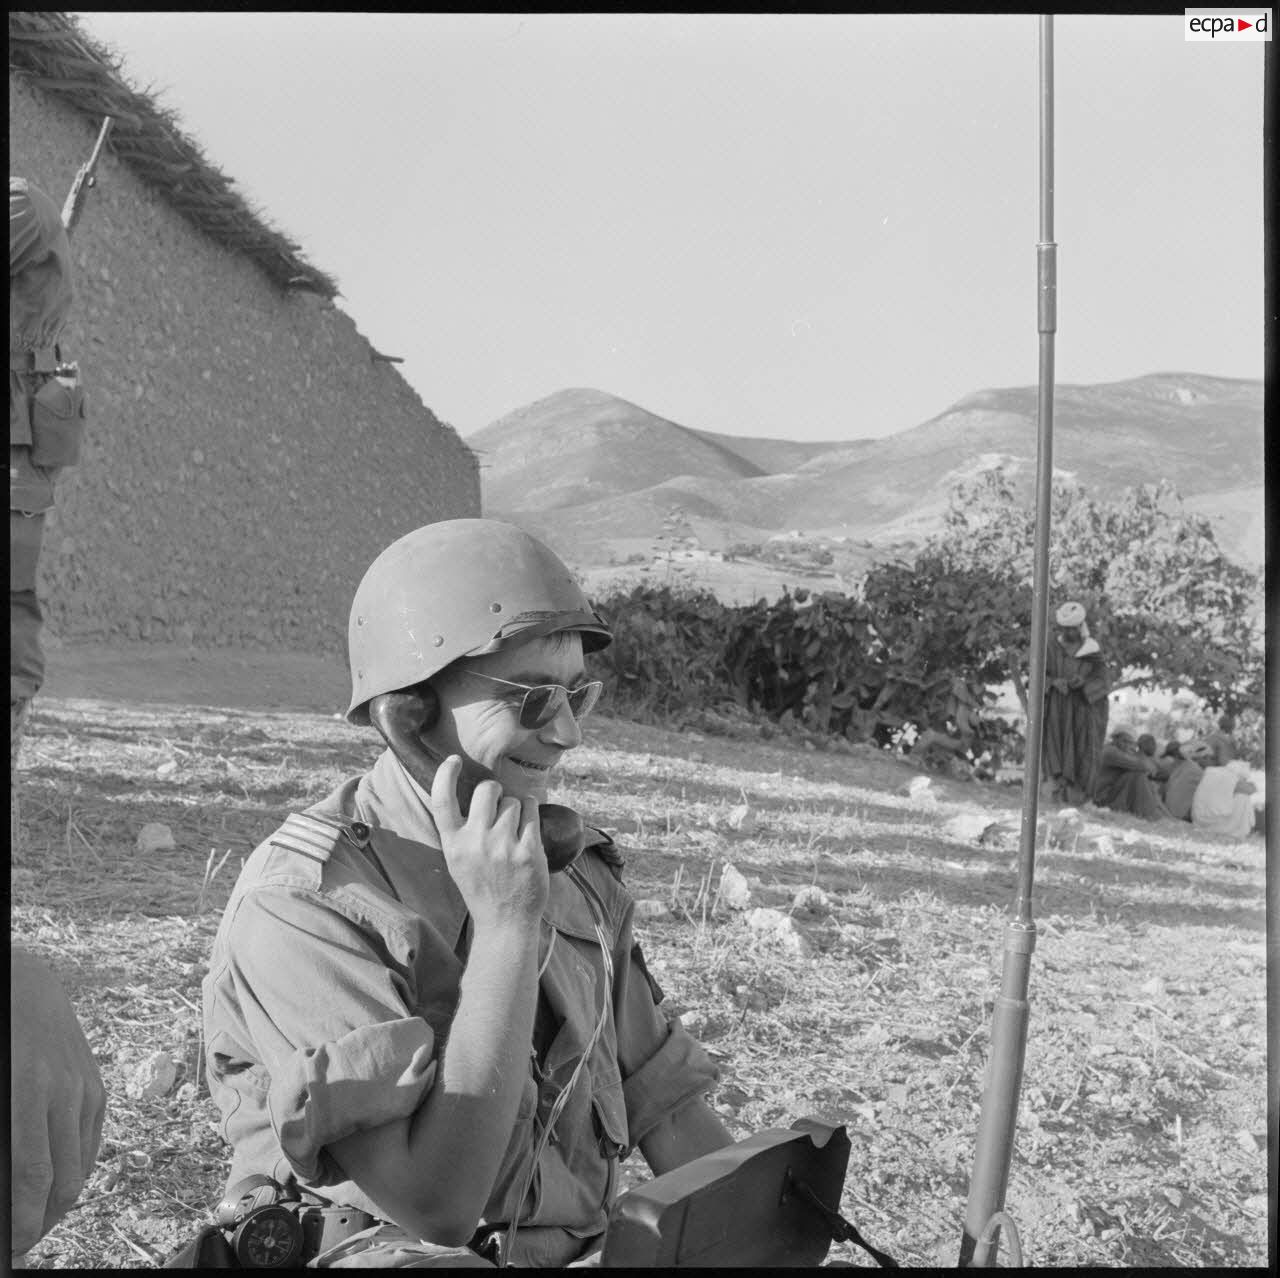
{"type": "Point", "coordinates": [1143, 1100]}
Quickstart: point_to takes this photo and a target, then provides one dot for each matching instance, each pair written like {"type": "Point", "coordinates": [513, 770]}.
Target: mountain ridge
{"type": "Point", "coordinates": [597, 475]}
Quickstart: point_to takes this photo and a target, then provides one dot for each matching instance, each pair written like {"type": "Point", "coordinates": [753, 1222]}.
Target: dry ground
{"type": "Point", "coordinates": [1142, 1124]}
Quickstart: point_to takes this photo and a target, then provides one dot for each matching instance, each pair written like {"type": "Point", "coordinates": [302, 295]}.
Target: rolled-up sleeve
{"type": "Point", "coordinates": [34, 225]}
{"type": "Point", "coordinates": [40, 287]}
{"type": "Point", "coordinates": [361, 1081]}
{"type": "Point", "coordinates": [677, 1072]}
{"type": "Point", "coordinates": [663, 1066]}
{"type": "Point", "coordinates": [339, 1047]}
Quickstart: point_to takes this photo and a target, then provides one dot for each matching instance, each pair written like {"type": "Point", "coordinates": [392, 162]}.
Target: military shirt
{"type": "Point", "coordinates": [340, 955]}
{"type": "Point", "coordinates": [40, 288]}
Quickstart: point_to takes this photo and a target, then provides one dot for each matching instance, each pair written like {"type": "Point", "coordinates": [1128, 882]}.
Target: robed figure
{"type": "Point", "coordinates": [1075, 708]}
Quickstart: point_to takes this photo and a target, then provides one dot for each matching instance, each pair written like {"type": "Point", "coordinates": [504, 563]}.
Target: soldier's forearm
{"type": "Point", "coordinates": [433, 1172]}
{"type": "Point", "coordinates": [693, 1130]}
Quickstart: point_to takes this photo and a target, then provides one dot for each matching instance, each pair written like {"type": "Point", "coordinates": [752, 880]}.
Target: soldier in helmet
{"type": "Point", "coordinates": [426, 1015]}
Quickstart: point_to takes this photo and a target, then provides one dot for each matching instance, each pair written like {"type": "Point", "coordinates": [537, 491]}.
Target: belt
{"type": "Point", "coordinates": [325, 1227]}
{"type": "Point", "coordinates": [535, 1246]}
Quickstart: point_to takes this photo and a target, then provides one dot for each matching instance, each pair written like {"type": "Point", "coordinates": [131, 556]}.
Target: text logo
{"type": "Point", "coordinates": [1228, 24]}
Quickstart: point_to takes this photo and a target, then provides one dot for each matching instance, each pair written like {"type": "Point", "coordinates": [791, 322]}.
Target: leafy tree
{"type": "Point", "coordinates": [667, 647]}
{"type": "Point", "coordinates": [948, 634]}
{"type": "Point", "coordinates": [924, 643]}
{"type": "Point", "coordinates": [809, 655]}
{"type": "Point", "coordinates": [1168, 607]}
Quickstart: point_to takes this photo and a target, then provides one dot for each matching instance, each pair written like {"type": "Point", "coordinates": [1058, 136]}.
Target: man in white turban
{"type": "Point", "coordinates": [1075, 708]}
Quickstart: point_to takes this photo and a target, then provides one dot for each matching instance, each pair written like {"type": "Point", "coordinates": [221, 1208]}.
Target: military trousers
{"type": "Point", "coordinates": [17, 722]}
{"type": "Point", "coordinates": [387, 1246]}
{"type": "Point", "coordinates": [26, 661]}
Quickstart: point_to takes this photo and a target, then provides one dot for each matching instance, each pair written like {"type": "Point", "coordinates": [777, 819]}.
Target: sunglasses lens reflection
{"type": "Point", "coordinates": [540, 706]}
{"type": "Point", "coordinates": [586, 698]}
{"type": "Point", "coordinates": [543, 703]}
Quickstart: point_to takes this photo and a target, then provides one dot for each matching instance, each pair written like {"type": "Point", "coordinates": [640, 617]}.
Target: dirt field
{"type": "Point", "coordinates": [1142, 1125]}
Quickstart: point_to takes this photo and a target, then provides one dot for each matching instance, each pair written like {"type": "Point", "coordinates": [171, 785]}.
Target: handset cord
{"type": "Point", "coordinates": [597, 923]}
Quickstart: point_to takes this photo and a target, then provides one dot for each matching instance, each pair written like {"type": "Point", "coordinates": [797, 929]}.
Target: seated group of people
{"type": "Point", "coordinates": [1200, 781]}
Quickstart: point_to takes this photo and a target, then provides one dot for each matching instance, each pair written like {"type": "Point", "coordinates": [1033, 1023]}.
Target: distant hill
{"type": "Point", "coordinates": [601, 478]}
{"type": "Point", "coordinates": [579, 446]}
{"type": "Point", "coordinates": [772, 456]}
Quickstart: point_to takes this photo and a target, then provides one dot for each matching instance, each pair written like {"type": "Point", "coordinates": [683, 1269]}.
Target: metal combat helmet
{"type": "Point", "coordinates": [458, 588]}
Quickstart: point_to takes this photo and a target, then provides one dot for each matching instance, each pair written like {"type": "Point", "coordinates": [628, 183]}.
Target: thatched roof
{"type": "Point", "coordinates": [52, 53]}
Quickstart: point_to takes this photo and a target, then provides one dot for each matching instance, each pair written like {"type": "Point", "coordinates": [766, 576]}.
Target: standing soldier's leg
{"type": "Point", "coordinates": [17, 722]}
{"type": "Point", "coordinates": [26, 661]}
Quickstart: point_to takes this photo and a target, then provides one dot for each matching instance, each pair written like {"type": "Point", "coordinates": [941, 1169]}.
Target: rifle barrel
{"type": "Point", "coordinates": [1010, 1018]}
{"type": "Point", "coordinates": [85, 178]}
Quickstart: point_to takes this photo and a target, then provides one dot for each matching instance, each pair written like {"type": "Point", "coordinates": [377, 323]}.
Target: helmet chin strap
{"type": "Point", "coordinates": [402, 719]}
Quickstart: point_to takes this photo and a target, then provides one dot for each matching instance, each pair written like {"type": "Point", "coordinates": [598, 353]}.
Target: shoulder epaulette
{"type": "Point", "coordinates": [605, 848]}
{"type": "Point", "coordinates": [316, 834]}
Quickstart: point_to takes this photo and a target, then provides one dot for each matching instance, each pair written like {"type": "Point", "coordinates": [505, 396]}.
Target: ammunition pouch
{"type": "Point", "coordinates": [40, 359]}
{"type": "Point", "coordinates": [57, 424]}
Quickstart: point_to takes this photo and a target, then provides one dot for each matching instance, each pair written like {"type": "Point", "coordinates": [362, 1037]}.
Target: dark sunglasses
{"type": "Point", "coordinates": [542, 702]}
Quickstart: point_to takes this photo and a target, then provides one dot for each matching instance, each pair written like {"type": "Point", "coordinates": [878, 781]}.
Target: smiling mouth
{"type": "Point", "coordinates": [533, 767]}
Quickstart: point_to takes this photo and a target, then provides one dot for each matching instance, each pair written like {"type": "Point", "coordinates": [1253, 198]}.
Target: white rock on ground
{"type": "Point", "coordinates": [1065, 827]}
{"type": "Point", "coordinates": [921, 792]}
{"type": "Point", "coordinates": [651, 909]}
{"type": "Point", "coordinates": [812, 899]}
{"type": "Point", "coordinates": [735, 892]}
{"type": "Point", "coordinates": [966, 827]}
{"type": "Point", "coordinates": [155, 836]}
{"type": "Point", "coordinates": [154, 1077]}
{"type": "Point", "coordinates": [776, 928]}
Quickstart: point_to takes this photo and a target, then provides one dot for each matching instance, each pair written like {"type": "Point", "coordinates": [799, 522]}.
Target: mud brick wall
{"type": "Point", "coordinates": [247, 456]}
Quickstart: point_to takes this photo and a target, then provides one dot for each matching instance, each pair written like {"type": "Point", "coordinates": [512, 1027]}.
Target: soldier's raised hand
{"type": "Point", "coordinates": [494, 853]}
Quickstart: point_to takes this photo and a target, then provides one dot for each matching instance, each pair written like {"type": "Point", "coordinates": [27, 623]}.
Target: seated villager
{"type": "Point", "coordinates": [1126, 779]}
{"type": "Point", "coordinates": [1222, 742]}
{"type": "Point", "coordinates": [1180, 788]}
{"type": "Point", "coordinates": [1166, 762]}
{"type": "Point", "coordinates": [409, 1017]}
{"type": "Point", "coordinates": [1223, 803]}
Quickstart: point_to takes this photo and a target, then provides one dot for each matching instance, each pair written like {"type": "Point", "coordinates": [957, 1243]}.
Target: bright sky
{"type": "Point", "coordinates": [807, 227]}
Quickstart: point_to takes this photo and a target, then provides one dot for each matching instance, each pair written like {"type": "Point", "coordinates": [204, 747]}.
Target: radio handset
{"type": "Point", "coordinates": [402, 717]}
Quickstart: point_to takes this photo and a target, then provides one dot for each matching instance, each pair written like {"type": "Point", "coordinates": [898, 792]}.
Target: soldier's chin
{"type": "Point", "coordinates": [525, 781]}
